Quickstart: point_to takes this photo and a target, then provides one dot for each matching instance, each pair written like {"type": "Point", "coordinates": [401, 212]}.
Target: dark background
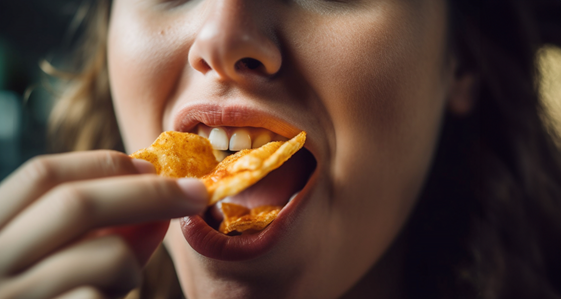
{"type": "Point", "coordinates": [30, 31]}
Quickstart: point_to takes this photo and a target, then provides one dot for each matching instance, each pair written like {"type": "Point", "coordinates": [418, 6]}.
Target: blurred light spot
{"type": "Point", "coordinates": [549, 63]}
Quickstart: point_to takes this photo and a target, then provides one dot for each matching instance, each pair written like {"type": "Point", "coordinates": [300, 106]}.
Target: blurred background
{"type": "Point", "coordinates": [33, 30]}
{"type": "Point", "coordinates": [30, 30]}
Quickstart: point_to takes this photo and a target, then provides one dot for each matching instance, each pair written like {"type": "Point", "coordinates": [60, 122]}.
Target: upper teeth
{"type": "Point", "coordinates": [218, 139]}
{"type": "Point", "coordinates": [240, 138]}
{"type": "Point", "coordinates": [261, 139]}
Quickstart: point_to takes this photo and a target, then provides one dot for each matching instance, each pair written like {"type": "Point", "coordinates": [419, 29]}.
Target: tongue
{"type": "Point", "coordinates": [277, 187]}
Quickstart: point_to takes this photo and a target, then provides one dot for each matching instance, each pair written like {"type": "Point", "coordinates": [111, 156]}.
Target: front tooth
{"type": "Point", "coordinates": [202, 132]}
{"type": "Point", "coordinates": [218, 139]}
{"type": "Point", "coordinates": [261, 140]}
{"type": "Point", "coordinates": [240, 140]}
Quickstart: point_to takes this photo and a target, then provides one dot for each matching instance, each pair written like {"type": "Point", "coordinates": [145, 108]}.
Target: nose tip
{"type": "Point", "coordinates": [231, 44]}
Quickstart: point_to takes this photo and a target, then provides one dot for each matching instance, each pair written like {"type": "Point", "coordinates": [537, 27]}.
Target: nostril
{"type": "Point", "coordinates": [248, 63]}
{"type": "Point", "coordinates": [204, 65]}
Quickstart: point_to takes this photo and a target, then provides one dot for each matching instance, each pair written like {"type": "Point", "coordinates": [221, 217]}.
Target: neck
{"type": "Point", "coordinates": [384, 280]}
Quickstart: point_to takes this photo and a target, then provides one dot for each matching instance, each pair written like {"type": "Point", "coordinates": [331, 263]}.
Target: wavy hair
{"type": "Point", "coordinates": [83, 117]}
{"type": "Point", "coordinates": [487, 223]}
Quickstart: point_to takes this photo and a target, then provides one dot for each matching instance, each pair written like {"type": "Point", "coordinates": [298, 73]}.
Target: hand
{"type": "Point", "coordinates": [85, 223]}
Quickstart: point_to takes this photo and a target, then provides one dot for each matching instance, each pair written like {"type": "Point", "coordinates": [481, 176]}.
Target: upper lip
{"type": "Point", "coordinates": [213, 115]}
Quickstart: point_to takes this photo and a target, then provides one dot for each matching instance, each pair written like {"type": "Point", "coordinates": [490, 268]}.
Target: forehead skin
{"type": "Point", "coordinates": [368, 81]}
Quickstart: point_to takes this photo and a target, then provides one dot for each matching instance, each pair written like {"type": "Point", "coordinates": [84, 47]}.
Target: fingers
{"type": "Point", "coordinates": [43, 173]}
{"type": "Point", "coordinates": [83, 293]}
{"type": "Point", "coordinates": [70, 210]}
{"type": "Point", "coordinates": [142, 238]}
{"type": "Point", "coordinates": [104, 264]}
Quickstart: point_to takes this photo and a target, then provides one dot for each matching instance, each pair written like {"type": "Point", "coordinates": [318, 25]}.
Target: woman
{"type": "Point", "coordinates": [431, 173]}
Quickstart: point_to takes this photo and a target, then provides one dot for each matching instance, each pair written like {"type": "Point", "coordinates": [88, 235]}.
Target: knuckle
{"type": "Point", "coordinates": [119, 248]}
{"type": "Point", "coordinates": [72, 202]}
{"type": "Point", "coordinates": [112, 162]}
{"type": "Point", "coordinates": [39, 170]}
{"type": "Point", "coordinates": [123, 264]}
{"type": "Point", "coordinates": [85, 292]}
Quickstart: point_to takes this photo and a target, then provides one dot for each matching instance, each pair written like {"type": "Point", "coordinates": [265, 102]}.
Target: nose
{"type": "Point", "coordinates": [234, 44]}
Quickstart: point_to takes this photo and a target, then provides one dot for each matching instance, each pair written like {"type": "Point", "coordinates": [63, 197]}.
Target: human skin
{"type": "Point", "coordinates": [367, 80]}
{"type": "Point", "coordinates": [83, 224]}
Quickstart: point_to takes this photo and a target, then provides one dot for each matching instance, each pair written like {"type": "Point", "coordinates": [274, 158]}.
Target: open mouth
{"type": "Point", "coordinates": [276, 189]}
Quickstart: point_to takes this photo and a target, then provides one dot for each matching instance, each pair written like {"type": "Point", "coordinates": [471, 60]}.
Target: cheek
{"type": "Point", "coordinates": [146, 58]}
{"type": "Point", "coordinates": [384, 91]}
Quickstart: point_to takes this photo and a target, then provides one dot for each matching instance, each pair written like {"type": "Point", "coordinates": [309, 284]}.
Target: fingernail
{"type": "Point", "coordinates": [194, 189]}
{"type": "Point", "coordinates": [143, 166]}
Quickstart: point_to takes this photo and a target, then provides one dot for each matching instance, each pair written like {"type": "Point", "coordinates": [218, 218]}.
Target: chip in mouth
{"type": "Point", "coordinates": [241, 219]}
{"type": "Point", "coordinates": [178, 155]}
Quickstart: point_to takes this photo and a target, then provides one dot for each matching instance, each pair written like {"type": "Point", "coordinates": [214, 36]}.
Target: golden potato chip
{"type": "Point", "coordinates": [179, 155]}
{"type": "Point", "coordinates": [242, 169]}
{"type": "Point", "coordinates": [239, 218]}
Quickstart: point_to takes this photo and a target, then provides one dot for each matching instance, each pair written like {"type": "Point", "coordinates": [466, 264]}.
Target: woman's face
{"type": "Point", "coordinates": [366, 79]}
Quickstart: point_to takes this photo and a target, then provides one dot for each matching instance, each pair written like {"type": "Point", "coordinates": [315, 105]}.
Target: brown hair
{"type": "Point", "coordinates": [83, 117]}
{"type": "Point", "coordinates": [487, 224]}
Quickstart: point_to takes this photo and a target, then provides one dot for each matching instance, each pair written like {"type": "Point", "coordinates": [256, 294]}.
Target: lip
{"type": "Point", "coordinates": [213, 244]}
{"type": "Point", "coordinates": [203, 238]}
{"type": "Point", "coordinates": [234, 115]}
{"type": "Point", "coordinates": [238, 115]}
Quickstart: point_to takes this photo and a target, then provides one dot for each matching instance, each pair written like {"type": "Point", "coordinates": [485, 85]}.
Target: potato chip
{"type": "Point", "coordinates": [244, 168]}
{"type": "Point", "coordinates": [179, 155]}
{"type": "Point", "coordinates": [241, 219]}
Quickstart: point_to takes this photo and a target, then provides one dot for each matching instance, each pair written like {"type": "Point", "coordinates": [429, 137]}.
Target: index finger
{"type": "Point", "coordinates": [41, 174]}
{"type": "Point", "coordinates": [74, 209]}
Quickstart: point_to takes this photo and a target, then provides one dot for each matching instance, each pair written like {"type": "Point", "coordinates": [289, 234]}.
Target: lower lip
{"type": "Point", "coordinates": [212, 244]}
